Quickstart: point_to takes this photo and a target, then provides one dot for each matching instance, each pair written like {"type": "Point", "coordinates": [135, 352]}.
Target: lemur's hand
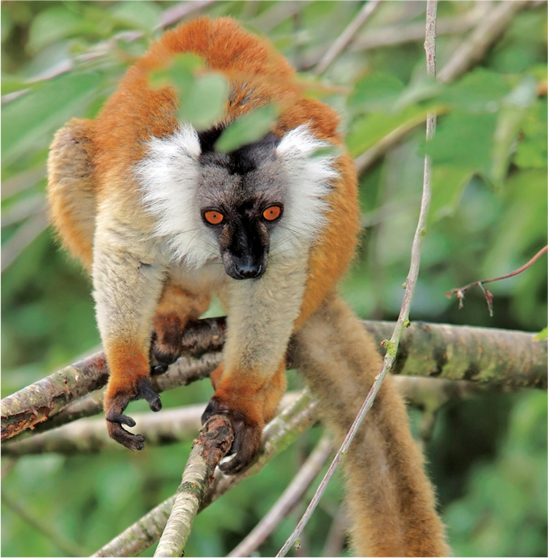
{"type": "Point", "coordinates": [116, 403]}
{"type": "Point", "coordinates": [165, 342]}
{"type": "Point", "coordinates": [248, 428]}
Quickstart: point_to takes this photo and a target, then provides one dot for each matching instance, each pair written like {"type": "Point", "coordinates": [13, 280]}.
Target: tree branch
{"type": "Point", "coordinates": [51, 396]}
{"type": "Point", "coordinates": [496, 356]}
{"type": "Point", "coordinates": [179, 424]}
{"type": "Point", "coordinates": [282, 431]}
{"type": "Point", "coordinates": [215, 440]}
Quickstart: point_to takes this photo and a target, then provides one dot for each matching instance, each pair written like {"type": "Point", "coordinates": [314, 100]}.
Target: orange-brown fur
{"type": "Point", "coordinates": [390, 501]}
{"type": "Point", "coordinates": [394, 509]}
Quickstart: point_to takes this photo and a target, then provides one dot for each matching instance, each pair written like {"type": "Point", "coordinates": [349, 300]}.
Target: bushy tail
{"type": "Point", "coordinates": [72, 190]}
{"type": "Point", "coordinates": [390, 500]}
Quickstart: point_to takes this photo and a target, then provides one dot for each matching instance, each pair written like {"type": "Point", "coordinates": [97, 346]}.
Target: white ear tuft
{"type": "Point", "coordinates": [309, 176]}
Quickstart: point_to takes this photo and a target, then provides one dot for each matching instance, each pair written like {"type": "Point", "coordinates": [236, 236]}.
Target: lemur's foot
{"type": "Point", "coordinates": [166, 342]}
{"type": "Point", "coordinates": [247, 435]}
{"type": "Point", "coordinates": [114, 409]}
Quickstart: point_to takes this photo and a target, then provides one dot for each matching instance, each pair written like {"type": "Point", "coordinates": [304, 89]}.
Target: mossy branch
{"type": "Point", "coordinates": [497, 356]}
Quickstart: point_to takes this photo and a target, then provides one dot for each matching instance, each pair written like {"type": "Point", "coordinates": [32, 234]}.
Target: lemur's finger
{"type": "Point", "coordinates": [146, 392]}
{"type": "Point", "coordinates": [127, 439]}
{"type": "Point", "coordinates": [113, 416]}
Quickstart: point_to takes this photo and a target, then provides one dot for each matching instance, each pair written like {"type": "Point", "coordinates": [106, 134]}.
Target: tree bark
{"type": "Point", "coordinates": [496, 356]}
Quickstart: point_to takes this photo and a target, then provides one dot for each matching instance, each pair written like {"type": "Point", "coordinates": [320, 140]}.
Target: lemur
{"type": "Point", "coordinates": [164, 221]}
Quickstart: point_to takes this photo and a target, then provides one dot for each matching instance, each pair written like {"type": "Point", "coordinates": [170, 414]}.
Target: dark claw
{"type": "Point", "coordinates": [146, 392]}
{"type": "Point", "coordinates": [159, 369]}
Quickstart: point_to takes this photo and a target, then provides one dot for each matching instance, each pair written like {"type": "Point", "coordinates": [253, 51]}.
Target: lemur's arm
{"type": "Point", "coordinates": [251, 380]}
{"type": "Point", "coordinates": [127, 284]}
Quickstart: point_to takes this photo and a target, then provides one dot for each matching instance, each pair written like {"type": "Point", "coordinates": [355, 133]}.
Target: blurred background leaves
{"type": "Point", "coordinates": [488, 456]}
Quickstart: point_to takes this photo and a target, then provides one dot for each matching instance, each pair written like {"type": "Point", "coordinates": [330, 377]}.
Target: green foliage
{"type": "Point", "coordinates": [488, 217]}
{"type": "Point", "coordinates": [248, 128]}
{"type": "Point", "coordinates": [202, 95]}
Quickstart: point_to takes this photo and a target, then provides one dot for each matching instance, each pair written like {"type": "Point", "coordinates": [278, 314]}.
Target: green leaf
{"type": "Point", "coordinates": [479, 91]}
{"type": "Point", "coordinates": [203, 104]}
{"type": "Point", "coordinates": [541, 335]}
{"type": "Point", "coordinates": [463, 140]}
{"type": "Point", "coordinates": [247, 129]}
{"type": "Point", "coordinates": [28, 123]}
{"type": "Point", "coordinates": [53, 25]}
{"type": "Point", "coordinates": [371, 128]}
{"type": "Point", "coordinates": [180, 73]}
{"type": "Point", "coordinates": [140, 15]}
{"type": "Point", "coordinates": [376, 92]}
{"type": "Point", "coordinates": [447, 183]}
{"type": "Point", "coordinates": [532, 147]}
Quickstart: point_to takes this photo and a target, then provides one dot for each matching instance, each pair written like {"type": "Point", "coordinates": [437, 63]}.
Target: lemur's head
{"type": "Point", "coordinates": [263, 200]}
{"type": "Point", "coordinates": [241, 199]}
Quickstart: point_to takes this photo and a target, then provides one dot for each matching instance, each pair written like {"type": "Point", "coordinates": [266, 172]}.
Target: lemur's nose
{"type": "Point", "coordinates": [249, 269]}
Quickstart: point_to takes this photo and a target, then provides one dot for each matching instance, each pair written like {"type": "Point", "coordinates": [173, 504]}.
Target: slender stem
{"type": "Point", "coordinates": [347, 36]}
{"type": "Point", "coordinates": [287, 501]}
{"type": "Point", "coordinates": [460, 293]}
{"type": "Point", "coordinates": [392, 345]}
{"type": "Point", "coordinates": [512, 274]}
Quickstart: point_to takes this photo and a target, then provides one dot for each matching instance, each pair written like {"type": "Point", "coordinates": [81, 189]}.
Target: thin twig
{"type": "Point", "coordinates": [411, 32]}
{"type": "Point", "coordinates": [460, 293]}
{"type": "Point", "coordinates": [481, 39]}
{"type": "Point", "coordinates": [347, 36]}
{"type": "Point", "coordinates": [168, 17]}
{"type": "Point", "coordinates": [287, 501]}
{"type": "Point", "coordinates": [392, 346]}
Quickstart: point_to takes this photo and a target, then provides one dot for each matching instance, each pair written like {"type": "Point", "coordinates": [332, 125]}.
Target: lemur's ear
{"type": "Point", "coordinates": [300, 143]}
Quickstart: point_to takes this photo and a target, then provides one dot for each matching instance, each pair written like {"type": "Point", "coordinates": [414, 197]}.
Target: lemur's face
{"type": "Point", "coordinates": [241, 200]}
{"type": "Point", "coordinates": [242, 209]}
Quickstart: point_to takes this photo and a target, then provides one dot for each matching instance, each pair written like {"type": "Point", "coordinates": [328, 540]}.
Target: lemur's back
{"type": "Point", "coordinates": [257, 74]}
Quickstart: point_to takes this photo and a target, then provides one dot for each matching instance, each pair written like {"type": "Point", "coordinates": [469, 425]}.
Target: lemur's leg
{"type": "Point", "coordinates": [177, 306]}
{"type": "Point", "coordinates": [393, 511]}
{"type": "Point", "coordinates": [127, 286]}
{"type": "Point", "coordinates": [261, 314]}
{"type": "Point", "coordinates": [72, 188]}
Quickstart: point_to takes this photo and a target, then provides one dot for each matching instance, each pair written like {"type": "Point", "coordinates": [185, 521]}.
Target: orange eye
{"type": "Point", "coordinates": [213, 217]}
{"type": "Point", "coordinates": [272, 213]}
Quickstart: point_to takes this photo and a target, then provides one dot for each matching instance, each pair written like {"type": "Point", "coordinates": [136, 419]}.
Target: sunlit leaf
{"type": "Point", "coordinates": [205, 101]}
{"type": "Point", "coordinates": [479, 91]}
{"type": "Point", "coordinates": [376, 92]}
{"type": "Point", "coordinates": [247, 129]}
{"type": "Point", "coordinates": [28, 123]}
